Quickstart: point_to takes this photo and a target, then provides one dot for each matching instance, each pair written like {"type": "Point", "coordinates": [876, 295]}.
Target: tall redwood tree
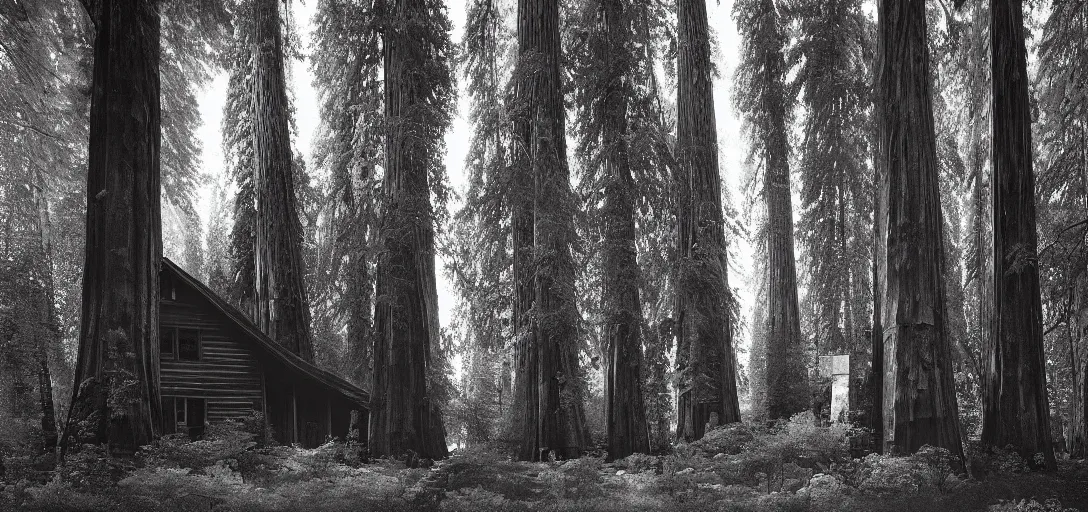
{"type": "Point", "coordinates": [281, 307]}
{"type": "Point", "coordinates": [606, 125]}
{"type": "Point", "coordinates": [548, 390]}
{"type": "Point", "coordinates": [418, 95]}
{"type": "Point", "coordinates": [918, 396]}
{"type": "Point", "coordinates": [762, 97]}
{"type": "Point", "coordinates": [1015, 408]}
{"type": "Point", "coordinates": [116, 398]}
{"type": "Point", "coordinates": [704, 330]}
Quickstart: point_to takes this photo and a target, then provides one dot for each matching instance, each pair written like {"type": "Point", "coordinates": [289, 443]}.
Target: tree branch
{"type": "Point", "coordinates": [1060, 233]}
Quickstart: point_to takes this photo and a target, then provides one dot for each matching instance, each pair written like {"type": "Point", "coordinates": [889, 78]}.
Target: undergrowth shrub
{"type": "Point", "coordinates": [576, 478]}
{"type": "Point", "coordinates": [1025, 505]}
{"type": "Point", "coordinates": [222, 441]}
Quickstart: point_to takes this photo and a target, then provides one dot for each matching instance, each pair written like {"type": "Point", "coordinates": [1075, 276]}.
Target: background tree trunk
{"type": "Point", "coordinates": [704, 328]}
{"type": "Point", "coordinates": [1016, 411]}
{"type": "Point", "coordinates": [786, 373]}
{"type": "Point", "coordinates": [49, 335]}
{"type": "Point", "coordinates": [624, 407]}
{"type": "Point", "coordinates": [403, 417]}
{"type": "Point", "coordinates": [117, 373]}
{"type": "Point", "coordinates": [282, 310]}
{"type": "Point", "coordinates": [918, 395]}
{"type": "Point", "coordinates": [550, 381]}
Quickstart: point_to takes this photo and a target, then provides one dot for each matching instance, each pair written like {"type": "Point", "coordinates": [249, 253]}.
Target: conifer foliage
{"type": "Point", "coordinates": [478, 260]}
{"type": "Point", "coordinates": [608, 74]}
{"type": "Point", "coordinates": [1062, 189]}
{"type": "Point", "coordinates": [834, 81]}
{"type": "Point", "coordinates": [346, 62]}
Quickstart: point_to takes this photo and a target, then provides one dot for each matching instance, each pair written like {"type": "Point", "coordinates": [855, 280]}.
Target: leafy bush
{"type": "Point", "coordinates": [993, 460]}
{"type": "Point", "coordinates": [639, 462]}
{"type": "Point", "coordinates": [577, 478]}
{"type": "Point", "coordinates": [222, 441]}
{"type": "Point", "coordinates": [1051, 505]}
{"type": "Point", "coordinates": [729, 439]}
{"type": "Point", "coordinates": [931, 469]}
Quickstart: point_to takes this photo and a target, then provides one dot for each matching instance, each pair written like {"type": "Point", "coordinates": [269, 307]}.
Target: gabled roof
{"type": "Point", "coordinates": [293, 362]}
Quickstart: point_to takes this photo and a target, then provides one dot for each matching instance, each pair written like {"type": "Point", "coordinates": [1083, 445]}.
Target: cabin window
{"type": "Point", "coordinates": [183, 416]}
{"type": "Point", "coordinates": [179, 344]}
{"type": "Point", "coordinates": [188, 345]}
{"type": "Point", "coordinates": [166, 343]}
{"type": "Point", "coordinates": [166, 288]}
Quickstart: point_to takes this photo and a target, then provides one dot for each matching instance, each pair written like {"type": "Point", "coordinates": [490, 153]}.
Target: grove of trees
{"type": "Point", "coordinates": [915, 192]}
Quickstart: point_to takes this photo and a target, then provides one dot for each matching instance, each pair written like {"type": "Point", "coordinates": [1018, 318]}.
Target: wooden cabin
{"type": "Point", "coordinates": [215, 364]}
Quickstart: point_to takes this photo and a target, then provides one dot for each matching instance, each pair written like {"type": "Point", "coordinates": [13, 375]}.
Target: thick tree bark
{"type": "Point", "coordinates": [1078, 428]}
{"type": "Point", "coordinates": [918, 395]}
{"type": "Point", "coordinates": [403, 417]}
{"type": "Point", "coordinates": [787, 377]}
{"type": "Point", "coordinates": [876, 372]}
{"type": "Point", "coordinates": [360, 324]}
{"type": "Point", "coordinates": [548, 393]}
{"type": "Point", "coordinates": [624, 407]}
{"type": "Point", "coordinates": [705, 355]}
{"type": "Point", "coordinates": [116, 398]}
{"type": "Point", "coordinates": [281, 308]}
{"type": "Point", "coordinates": [1015, 411]}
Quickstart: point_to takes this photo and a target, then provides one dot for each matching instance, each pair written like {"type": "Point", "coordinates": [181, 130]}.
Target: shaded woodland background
{"type": "Point", "coordinates": [590, 245]}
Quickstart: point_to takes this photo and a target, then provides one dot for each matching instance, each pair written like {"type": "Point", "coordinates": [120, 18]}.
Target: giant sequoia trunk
{"type": "Point", "coordinates": [918, 395]}
{"type": "Point", "coordinates": [403, 417]}
{"type": "Point", "coordinates": [705, 359]}
{"type": "Point", "coordinates": [548, 392]}
{"type": "Point", "coordinates": [786, 389]}
{"type": "Point", "coordinates": [1015, 410]}
{"type": "Point", "coordinates": [281, 308]}
{"type": "Point", "coordinates": [624, 407]}
{"type": "Point", "coordinates": [116, 398]}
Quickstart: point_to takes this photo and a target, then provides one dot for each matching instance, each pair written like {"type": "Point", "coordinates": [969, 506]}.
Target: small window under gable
{"type": "Point", "coordinates": [166, 287]}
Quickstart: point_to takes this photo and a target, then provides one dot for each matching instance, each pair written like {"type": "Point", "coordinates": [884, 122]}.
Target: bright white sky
{"type": "Point", "coordinates": [307, 119]}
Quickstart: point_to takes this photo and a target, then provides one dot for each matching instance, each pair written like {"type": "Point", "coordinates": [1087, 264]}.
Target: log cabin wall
{"type": "Point", "coordinates": [232, 370]}
{"type": "Point", "coordinates": [227, 374]}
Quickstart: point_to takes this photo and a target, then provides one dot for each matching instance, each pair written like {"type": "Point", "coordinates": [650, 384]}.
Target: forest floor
{"type": "Point", "coordinates": [797, 467]}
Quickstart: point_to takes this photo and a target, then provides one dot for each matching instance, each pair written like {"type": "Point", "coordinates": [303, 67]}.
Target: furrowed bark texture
{"type": "Point", "coordinates": [704, 331]}
{"type": "Point", "coordinates": [116, 398]}
{"type": "Point", "coordinates": [624, 407]}
{"type": "Point", "coordinates": [787, 377]}
{"type": "Point", "coordinates": [282, 310]}
{"type": "Point", "coordinates": [548, 395]}
{"type": "Point", "coordinates": [406, 325]}
{"type": "Point", "coordinates": [918, 396]}
{"type": "Point", "coordinates": [1015, 407]}
{"type": "Point", "coordinates": [876, 376]}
